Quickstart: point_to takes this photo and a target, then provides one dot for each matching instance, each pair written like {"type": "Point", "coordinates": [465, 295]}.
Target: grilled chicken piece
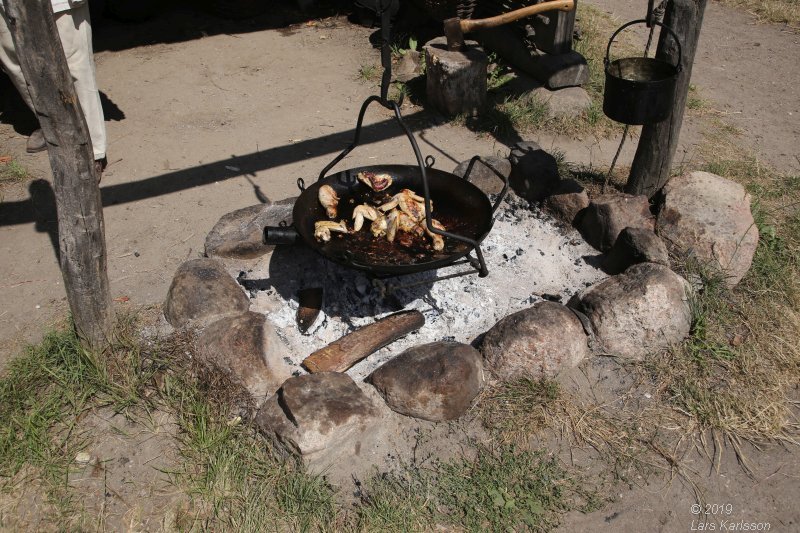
{"type": "Point", "coordinates": [398, 220]}
{"type": "Point", "coordinates": [329, 200]}
{"type": "Point", "coordinates": [409, 203]}
{"type": "Point", "coordinates": [376, 182]}
{"type": "Point", "coordinates": [379, 227]}
{"type": "Point", "coordinates": [438, 240]}
{"type": "Point", "coordinates": [362, 212]}
{"type": "Point", "coordinates": [323, 229]}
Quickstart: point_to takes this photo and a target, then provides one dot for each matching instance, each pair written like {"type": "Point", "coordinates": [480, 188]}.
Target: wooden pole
{"type": "Point", "coordinates": [653, 160]}
{"type": "Point", "coordinates": [75, 181]}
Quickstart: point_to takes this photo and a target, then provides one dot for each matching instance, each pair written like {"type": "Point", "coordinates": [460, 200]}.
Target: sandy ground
{"type": "Point", "coordinates": [205, 117]}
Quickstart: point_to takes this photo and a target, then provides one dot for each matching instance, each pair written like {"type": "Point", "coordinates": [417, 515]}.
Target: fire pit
{"type": "Point", "coordinates": [532, 257]}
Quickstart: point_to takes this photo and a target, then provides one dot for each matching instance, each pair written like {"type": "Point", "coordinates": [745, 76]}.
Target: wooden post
{"type": "Point", "coordinates": [653, 160]}
{"type": "Point", "coordinates": [456, 81]}
{"type": "Point", "coordinates": [75, 181]}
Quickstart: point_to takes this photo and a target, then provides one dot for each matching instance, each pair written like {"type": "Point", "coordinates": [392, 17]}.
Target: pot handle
{"type": "Point", "coordinates": [503, 193]}
{"type": "Point", "coordinates": [280, 235]}
{"type": "Point", "coordinates": [678, 65]}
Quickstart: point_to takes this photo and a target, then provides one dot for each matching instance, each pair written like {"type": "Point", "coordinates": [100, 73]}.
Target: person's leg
{"type": "Point", "coordinates": [75, 31]}
{"type": "Point", "coordinates": [10, 63]}
{"type": "Point", "coordinates": [8, 57]}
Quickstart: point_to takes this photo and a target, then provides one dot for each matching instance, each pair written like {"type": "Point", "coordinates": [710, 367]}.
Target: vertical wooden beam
{"type": "Point", "coordinates": [653, 160]}
{"type": "Point", "coordinates": [75, 181]}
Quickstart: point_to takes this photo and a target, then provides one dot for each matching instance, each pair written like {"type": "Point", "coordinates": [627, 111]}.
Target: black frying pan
{"type": "Point", "coordinates": [463, 209]}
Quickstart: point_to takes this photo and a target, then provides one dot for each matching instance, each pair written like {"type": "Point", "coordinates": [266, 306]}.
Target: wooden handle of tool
{"type": "Point", "coordinates": [505, 18]}
{"type": "Point", "coordinates": [340, 355]}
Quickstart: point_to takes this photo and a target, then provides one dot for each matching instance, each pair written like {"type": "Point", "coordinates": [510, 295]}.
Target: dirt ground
{"type": "Point", "coordinates": [207, 116]}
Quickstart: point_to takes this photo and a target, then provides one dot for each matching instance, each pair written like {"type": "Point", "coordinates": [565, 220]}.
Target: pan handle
{"type": "Point", "coordinates": [280, 235]}
{"type": "Point", "coordinates": [503, 193]}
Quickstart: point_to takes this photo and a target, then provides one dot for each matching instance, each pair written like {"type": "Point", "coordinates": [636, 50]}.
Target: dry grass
{"type": "Point", "coordinates": [775, 11]}
{"type": "Point", "coordinates": [737, 373]}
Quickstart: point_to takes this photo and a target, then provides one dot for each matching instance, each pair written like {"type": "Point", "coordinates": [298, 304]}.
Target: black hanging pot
{"type": "Point", "coordinates": [640, 90]}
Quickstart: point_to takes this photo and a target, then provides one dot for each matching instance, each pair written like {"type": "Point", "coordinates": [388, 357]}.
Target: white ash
{"type": "Point", "coordinates": [529, 255]}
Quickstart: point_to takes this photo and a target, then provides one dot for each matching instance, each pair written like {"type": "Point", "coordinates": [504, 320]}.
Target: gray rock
{"type": "Point", "coordinates": [247, 348]}
{"type": "Point", "coordinates": [321, 418]}
{"type": "Point", "coordinates": [536, 342]}
{"type": "Point", "coordinates": [608, 215]}
{"type": "Point", "coordinates": [408, 67]}
{"type": "Point", "coordinates": [239, 234]}
{"type": "Point", "coordinates": [201, 293]}
{"type": "Point", "coordinates": [435, 381]}
{"type": "Point", "coordinates": [534, 172]}
{"type": "Point", "coordinates": [640, 312]}
{"type": "Point", "coordinates": [709, 216]}
{"type": "Point", "coordinates": [567, 201]}
{"type": "Point", "coordinates": [568, 102]}
{"type": "Point", "coordinates": [633, 246]}
{"type": "Point", "coordinates": [484, 173]}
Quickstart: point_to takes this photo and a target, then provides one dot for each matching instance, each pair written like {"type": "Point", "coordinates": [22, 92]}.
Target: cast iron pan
{"type": "Point", "coordinates": [458, 204]}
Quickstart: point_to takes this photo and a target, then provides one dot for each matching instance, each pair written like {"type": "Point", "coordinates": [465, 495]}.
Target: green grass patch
{"type": "Point", "coordinates": [695, 101]}
{"type": "Point", "coordinates": [44, 392]}
{"type": "Point", "coordinates": [502, 489]}
{"type": "Point", "coordinates": [13, 172]}
{"type": "Point", "coordinates": [368, 73]}
{"type": "Point", "coordinates": [234, 481]}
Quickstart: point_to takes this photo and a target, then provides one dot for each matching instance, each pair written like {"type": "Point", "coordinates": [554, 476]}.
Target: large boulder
{"type": "Point", "coordinates": [709, 217]}
{"type": "Point", "coordinates": [435, 381]}
{"type": "Point", "coordinates": [608, 215]}
{"type": "Point", "coordinates": [537, 342]}
{"type": "Point", "coordinates": [321, 418]}
{"type": "Point", "coordinates": [567, 201]}
{"type": "Point", "coordinates": [486, 173]}
{"type": "Point", "coordinates": [201, 293]}
{"type": "Point", "coordinates": [240, 234]}
{"type": "Point", "coordinates": [247, 348]}
{"type": "Point", "coordinates": [641, 311]}
{"type": "Point", "coordinates": [534, 172]}
{"type": "Point", "coordinates": [633, 246]}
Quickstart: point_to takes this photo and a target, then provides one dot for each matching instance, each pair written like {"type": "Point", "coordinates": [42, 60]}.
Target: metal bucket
{"type": "Point", "coordinates": [640, 90]}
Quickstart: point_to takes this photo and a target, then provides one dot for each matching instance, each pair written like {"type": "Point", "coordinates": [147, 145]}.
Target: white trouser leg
{"type": "Point", "coordinates": [8, 58]}
{"type": "Point", "coordinates": [75, 31]}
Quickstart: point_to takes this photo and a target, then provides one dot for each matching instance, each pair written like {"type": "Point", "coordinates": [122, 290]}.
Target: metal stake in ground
{"type": "Point", "coordinates": [80, 211]}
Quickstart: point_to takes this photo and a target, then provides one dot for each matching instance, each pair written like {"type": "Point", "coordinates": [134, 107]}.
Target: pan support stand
{"type": "Point", "coordinates": [478, 264]}
{"type": "Point", "coordinates": [386, 289]}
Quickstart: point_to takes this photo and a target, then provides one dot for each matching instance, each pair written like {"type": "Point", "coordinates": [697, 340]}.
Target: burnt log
{"type": "Point", "coordinates": [340, 355]}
